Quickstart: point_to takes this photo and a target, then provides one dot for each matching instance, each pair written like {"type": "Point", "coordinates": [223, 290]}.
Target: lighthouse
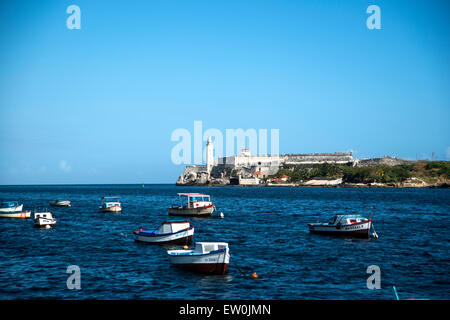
{"type": "Point", "coordinates": [209, 155]}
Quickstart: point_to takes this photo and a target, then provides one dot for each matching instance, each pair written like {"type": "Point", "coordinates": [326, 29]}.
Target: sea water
{"type": "Point", "coordinates": [266, 228]}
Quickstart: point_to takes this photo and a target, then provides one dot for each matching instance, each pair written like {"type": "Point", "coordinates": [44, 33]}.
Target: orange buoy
{"type": "Point", "coordinates": [254, 275]}
{"type": "Point", "coordinates": [186, 247]}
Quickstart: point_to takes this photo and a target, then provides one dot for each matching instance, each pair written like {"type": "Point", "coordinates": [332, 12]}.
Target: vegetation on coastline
{"type": "Point", "coordinates": [427, 171]}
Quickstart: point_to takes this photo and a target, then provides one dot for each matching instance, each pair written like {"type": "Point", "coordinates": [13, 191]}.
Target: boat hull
{"type": "Point", "coordinates": [110, 209]}
{"type": "Point", "coordinates": [181, 211]}
{"type": "Point", "coordinates": [12, 209]}
{"type": "Point", "coordinates": [209, 268]}
{"type": "Point", "coordinates": [181, 237]}
{"type": "Point", "coordinates": [44, 226]}
{"type": "Point", "coordinates": [357, 230]}
{"type": "Point", "coordinates": [212, 263]}
{"type": "Point", "coordinates": [44, 223]}
{"type": "Point", "coordinates": [21, 215]}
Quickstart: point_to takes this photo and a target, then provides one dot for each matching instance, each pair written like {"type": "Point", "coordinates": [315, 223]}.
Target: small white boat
{"type": "Point", "coordinates": [193, 204]}
{"type": "Point", "coordinates": [43, 218]}
{"type": "Point", "coordinates": [352, 225]}
{"type": "Point", "coordinates": [60, 203]}
{"type": "Point", "coordinates": [12, 209]}
{"type": "Point", "coordinates": [206, 257]}
{"type": "Point", "coordinates": [169, 232]}
{"type": "Point", "coordinates": [110, 204]}
{"type": "Point", "coordinates": [10, 206]}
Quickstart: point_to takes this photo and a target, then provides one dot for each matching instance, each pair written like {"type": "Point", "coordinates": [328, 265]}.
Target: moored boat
{"type": "Point", "coordinates": [206, 257]}
{"type": "Point", "coordinates": [12, 209]}
{"type": "Point", "coordinates": [110, 204]}
{"type": "Point", "coordinates": [193, 204]}
{"type": "Point", "coordinates": [60, 203]}
{"type": "Point", "coordinates": [10, 206]}
{"type": "Point", "coordinates": [352, 225]}
{"type": "Point", "coordinates": [43, 218]}
{"type": "Point", "coordinates": [169, 232]}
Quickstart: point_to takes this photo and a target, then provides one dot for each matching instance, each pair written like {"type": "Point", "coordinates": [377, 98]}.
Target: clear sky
{"type": "Point", "coordinates": [99, 104]}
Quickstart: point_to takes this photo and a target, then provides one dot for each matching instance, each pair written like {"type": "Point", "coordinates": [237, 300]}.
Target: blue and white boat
{"type": "Point", "coordinates": [169, 232]}
{"type": "Point", "coordinates": [12, 209]}
{"type": "Point", "coordinates": [10, 206]}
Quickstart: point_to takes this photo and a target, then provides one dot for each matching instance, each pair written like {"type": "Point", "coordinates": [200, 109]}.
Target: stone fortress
{"type": "Point", "coordinates": [247, 169]}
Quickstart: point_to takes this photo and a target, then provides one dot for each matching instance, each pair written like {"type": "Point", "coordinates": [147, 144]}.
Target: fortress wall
{"type": "Point", "coordinates": [192, 174]}
{"type": "Point", "coordinates": [248, 161]}
{"type": "Point", "coordinates": [337, 157]}
{"type": "Point", "coordinates": [219, 170]}
{"type": "Point", "coordinates": [248, 181]}
{"type": "Point", "coordinates": [276, 161]}
{"type": "Point", "coordinates": [194, 169]}
{"type": "Point", "coordinates": [388, 161]}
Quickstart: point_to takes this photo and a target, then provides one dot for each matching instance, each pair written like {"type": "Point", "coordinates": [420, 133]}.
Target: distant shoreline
{"type": "Point", "coordinates": [379, 173]}
{"type": "Point", "coordinates": [275, 185]}
{"type": "Point", "coordinates": [344, 185]}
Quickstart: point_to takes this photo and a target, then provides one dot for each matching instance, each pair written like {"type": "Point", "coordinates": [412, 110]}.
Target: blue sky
{"type": "Point", "coordinates": [99, 104]}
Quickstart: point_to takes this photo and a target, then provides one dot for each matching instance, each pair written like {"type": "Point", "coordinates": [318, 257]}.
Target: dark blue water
{"type": "Point", "coordinates": [267, 232]}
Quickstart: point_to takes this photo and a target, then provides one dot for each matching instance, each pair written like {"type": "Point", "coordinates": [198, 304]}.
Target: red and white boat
{"type": "Point", "coordinates": [207, 257]}
{"type": "Point", "coordinates": [352, 225]}
{"type": "Point", "coordinates": [193, 204]}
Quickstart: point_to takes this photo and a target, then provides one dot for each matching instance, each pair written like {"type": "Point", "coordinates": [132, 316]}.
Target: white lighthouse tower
{"type": "Point", "coordinates": [209, 155]}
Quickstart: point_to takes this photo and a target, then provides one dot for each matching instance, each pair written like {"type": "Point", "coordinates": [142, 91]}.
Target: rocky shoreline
{"type": "Point", "coordinates": [412, 182]}
{"type": "Point", "coordinates": [443, 185]}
